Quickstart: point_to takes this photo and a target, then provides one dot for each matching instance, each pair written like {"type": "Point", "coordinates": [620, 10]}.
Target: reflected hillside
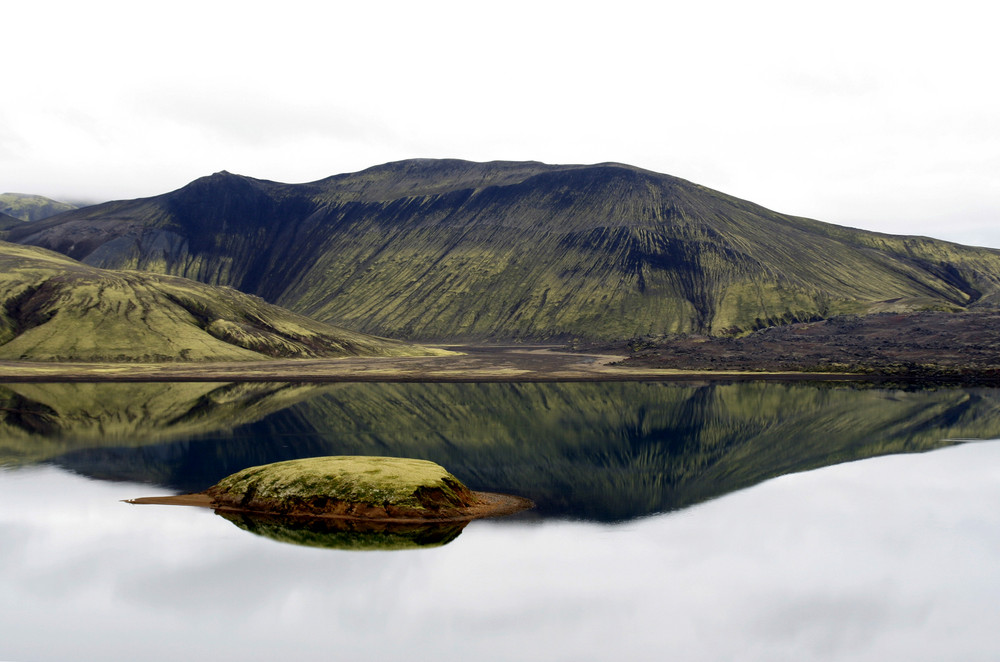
{"type": "Point", "coordinates": [602, 451]}
{"type": "Point", "coordinates": [617, 451]}
{"type": "Point", "coordinates": [41, 421]}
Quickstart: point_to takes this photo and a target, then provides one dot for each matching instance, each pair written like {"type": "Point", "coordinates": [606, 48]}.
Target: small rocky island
{"type": "Point", "coordinates": [379, 489]}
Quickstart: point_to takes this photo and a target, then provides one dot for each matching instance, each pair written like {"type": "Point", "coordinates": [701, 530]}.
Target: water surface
{"type": "Point", "coordinates": [668, 524]}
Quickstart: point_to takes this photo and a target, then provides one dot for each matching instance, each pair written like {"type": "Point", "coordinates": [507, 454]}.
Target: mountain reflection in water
{"type": "Point", "coordinates": [597, 451]}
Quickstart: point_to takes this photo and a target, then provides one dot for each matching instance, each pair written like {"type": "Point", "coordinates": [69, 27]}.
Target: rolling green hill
{"type": "Point", "coordinates": [31, 207]}
{"type": "Point", "coordinates": [54, 308]}
{"type": "Point", "coordinates": [437, 249]}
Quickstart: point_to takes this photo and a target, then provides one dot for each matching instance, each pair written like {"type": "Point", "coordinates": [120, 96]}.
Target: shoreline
{"type": "Point", "coordinates": [321, 372]}
{"type": "Point", "coordinates": [475, 364]}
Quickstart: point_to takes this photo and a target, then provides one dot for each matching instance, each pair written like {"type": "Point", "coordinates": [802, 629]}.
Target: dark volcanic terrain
{"type": "Point", "coordinates": [948, 346]}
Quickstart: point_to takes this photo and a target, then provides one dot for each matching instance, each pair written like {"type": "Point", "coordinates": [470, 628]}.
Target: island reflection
{"type": "Point", "coordinates": [352, 535]}
{"type": "Point", "coordinates": [595, 451]}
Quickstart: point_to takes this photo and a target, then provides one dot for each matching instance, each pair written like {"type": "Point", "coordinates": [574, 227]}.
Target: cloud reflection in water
{"type": "Point", "coordinates": [890, 558]}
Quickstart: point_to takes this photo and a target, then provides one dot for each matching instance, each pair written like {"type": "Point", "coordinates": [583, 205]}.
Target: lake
{"type": "Point", "coordinates": [708, 521]}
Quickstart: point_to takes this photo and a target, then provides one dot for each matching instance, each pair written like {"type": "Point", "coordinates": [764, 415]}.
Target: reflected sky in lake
{"type": "Point", "coordinates": [889, 558]}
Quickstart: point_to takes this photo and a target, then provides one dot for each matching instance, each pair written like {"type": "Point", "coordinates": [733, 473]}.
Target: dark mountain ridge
{"type": "Point", "coordinates": [448, 249]}
{"type": "Point", "coordinates": [7, 221]}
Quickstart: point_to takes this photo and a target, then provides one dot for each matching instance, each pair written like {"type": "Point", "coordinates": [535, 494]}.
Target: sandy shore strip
{"type": "Point", "coordinates": [475, 364]}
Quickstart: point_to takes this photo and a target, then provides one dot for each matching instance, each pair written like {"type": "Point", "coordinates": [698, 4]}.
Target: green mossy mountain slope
{"type": "Point", "coordinates": [439, 249]}
{"type": "Point", "coordinates": [31, 207]}
{"type": "Point", "coordinates": [56, 309]}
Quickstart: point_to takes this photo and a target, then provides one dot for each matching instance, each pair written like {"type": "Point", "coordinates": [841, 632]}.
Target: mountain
{"type": "Point", "coordinates": [54, 308]}
{"type": "Point", "coordinates": [436, 249]}
{"type": "Point", "coordinates": [31, 207]}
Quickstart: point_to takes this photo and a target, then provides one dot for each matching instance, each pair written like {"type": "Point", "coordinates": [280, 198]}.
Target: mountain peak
{"type": "Point", "coordinates": [227, 185]}
{"type": "Point", "coordinates": [221, 176]}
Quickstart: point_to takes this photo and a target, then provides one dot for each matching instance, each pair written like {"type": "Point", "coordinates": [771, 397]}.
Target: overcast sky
{"type": "Point", "coordinates": [880, 115]}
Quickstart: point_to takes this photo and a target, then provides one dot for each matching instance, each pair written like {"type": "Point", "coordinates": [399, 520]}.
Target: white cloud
{"type": "Point", "coordinates": [878, 114]}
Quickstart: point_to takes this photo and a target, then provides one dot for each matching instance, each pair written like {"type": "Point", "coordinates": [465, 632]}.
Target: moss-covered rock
{"type": "Point", "coordinates": [347, 486]}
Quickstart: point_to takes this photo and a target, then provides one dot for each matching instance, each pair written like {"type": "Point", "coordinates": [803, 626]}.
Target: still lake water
{"type": "Point", "coordinates": [693, 522]}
